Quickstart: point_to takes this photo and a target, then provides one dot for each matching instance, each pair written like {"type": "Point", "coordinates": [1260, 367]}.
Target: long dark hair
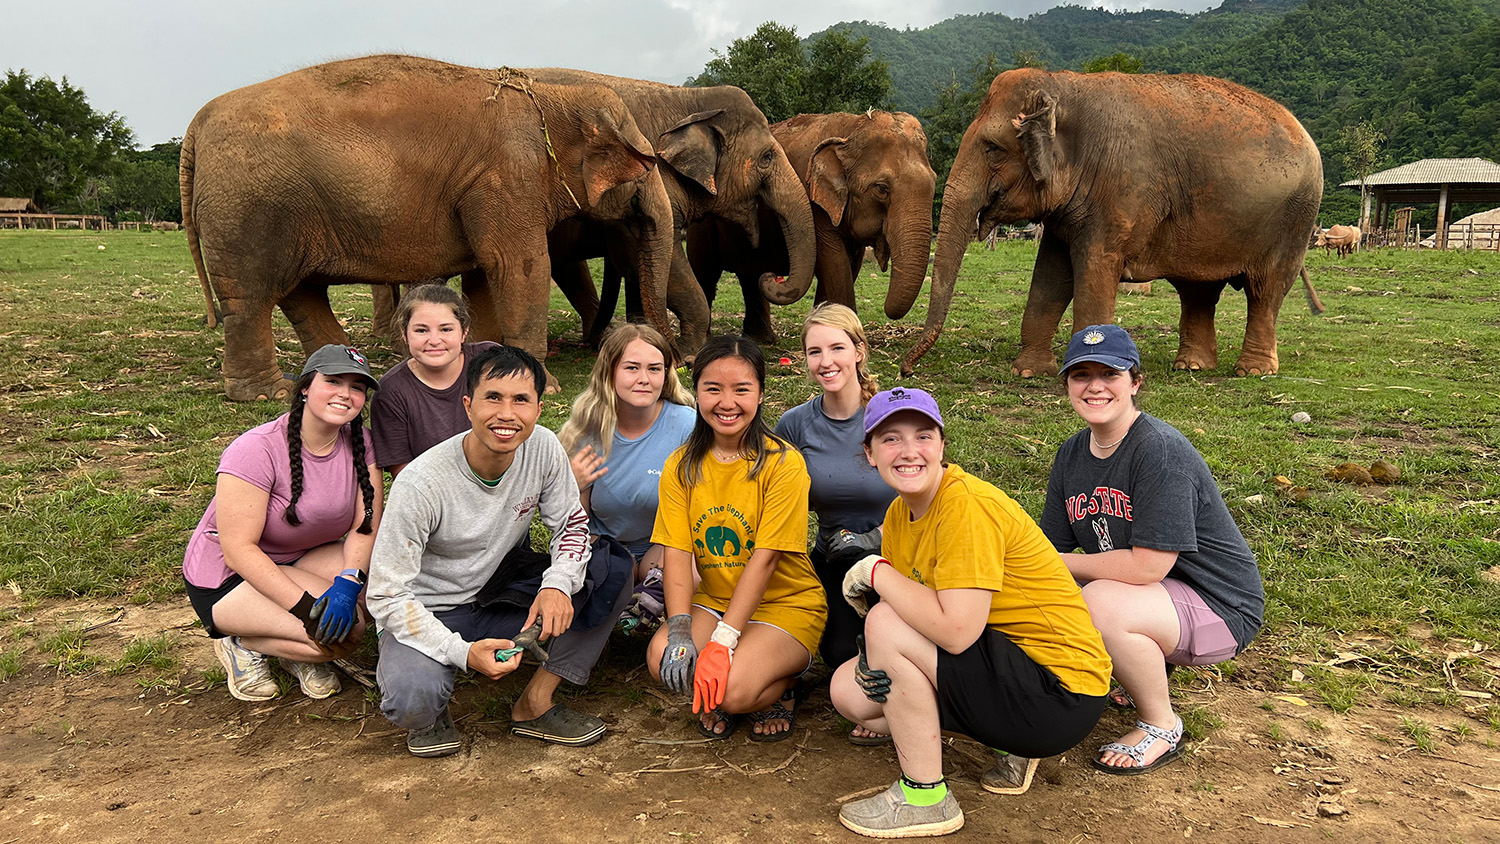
{"type": "Point", "coordinates": [701, 440]}
{"type": "Point", "coordinates": [294, 453]}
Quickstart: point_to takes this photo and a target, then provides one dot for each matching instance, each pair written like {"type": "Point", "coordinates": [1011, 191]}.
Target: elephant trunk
{"type": "Point", "coordinates": [654, 257]}
{"type": "Point", "coordinates": [962, 200]}
{"type": "Point", "coordinates": [908, 231]}
{"type": "Point", "coordinates": [788, 198]}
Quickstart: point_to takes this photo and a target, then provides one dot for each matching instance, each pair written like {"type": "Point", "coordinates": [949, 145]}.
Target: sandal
{"type": "Point", "coordinates": [875, 740]}
{"type": "Point", "coordinates": [778, 712]}
{"type": "Point", "coordinates": [1120, 699]}
{"type": "Point", "coordinates": [1137, 752]}
{"type": "Point", "coordinates": [730, 722]}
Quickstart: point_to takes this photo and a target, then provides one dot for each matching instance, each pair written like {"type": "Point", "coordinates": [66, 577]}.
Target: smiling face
{"type": "Point", "coordinates": [639, 375]}
{"type": "Point", "coordinates": [1102, 395]}
{"type": "Point", "coordinates": [435, 337]}
{"type": "Point", "coordinates": [833, 358]}
{"type": "Point", "coordinates": [728, 399]}
{"type": "Point", "coordinates": [334, 399]}
{"type": "Point", "coordinates": [907, 450]}
{"type": "Point", "coordinates": [503, 412]}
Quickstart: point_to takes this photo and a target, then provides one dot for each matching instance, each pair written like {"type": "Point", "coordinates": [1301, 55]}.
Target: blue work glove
{"type": "Point", "coordinates": [875, 683]}
{"type": "Point", "coordinates": [681, 655]}
{"type": "Point", "coordinates": [337, 611]}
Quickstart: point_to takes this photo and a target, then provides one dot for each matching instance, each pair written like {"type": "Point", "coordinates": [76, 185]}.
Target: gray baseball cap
{"type": "Point", "coordinates": [334, 359]}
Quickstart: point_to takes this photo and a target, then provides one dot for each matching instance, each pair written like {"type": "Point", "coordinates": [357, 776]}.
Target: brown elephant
{"type": "Point", "coordinates": [718, 159]}
{"type": "Point", "coordinates": [387, 169]}
{"type": "Point", "coordinates": [1127, 172]}
{"type": "Point", "coordinates": [870, 184]}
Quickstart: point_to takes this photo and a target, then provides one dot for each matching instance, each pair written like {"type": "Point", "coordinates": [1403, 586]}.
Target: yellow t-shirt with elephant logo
{"type": "Point", "coordinates": [973, 536]}
{"type": "Point", "coordinates": [724, 517]}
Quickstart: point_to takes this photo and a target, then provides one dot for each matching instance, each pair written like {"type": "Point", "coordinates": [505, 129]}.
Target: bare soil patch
{"type": "Point", "coordinates": [99, 758]}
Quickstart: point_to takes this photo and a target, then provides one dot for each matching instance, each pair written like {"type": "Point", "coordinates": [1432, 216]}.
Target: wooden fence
{"type": "Point", "coordinates": [1460, 236]}
{"type": "Point", "coordinates": [53, 222]}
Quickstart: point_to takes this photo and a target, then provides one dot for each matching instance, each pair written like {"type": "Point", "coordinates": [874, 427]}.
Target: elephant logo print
{"type": "Point", "coordinates": [1101, 530]}
{"type": "Point", "coordinates": [721, 536]}
{"type": "Point", "coordinates": [699, 543]}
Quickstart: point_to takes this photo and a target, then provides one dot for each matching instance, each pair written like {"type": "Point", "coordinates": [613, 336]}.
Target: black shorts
{"type": "Point", "coordinates": [994, 694]}
{"type": "Point", "coordinates": [204, 598]}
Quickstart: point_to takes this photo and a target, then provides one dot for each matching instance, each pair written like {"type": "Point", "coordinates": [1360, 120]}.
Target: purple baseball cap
{"type": "Point", "coordinates": [897, 399]}
{"type": "Point", "coordinates": [1107, 344]}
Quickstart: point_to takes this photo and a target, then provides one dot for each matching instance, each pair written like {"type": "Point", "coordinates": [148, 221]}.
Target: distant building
{"type": "Point", "coordinates": [1441, 180]}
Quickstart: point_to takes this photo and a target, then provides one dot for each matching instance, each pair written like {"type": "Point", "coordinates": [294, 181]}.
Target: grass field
{"type": "Point", "coordinates": [112, 420]}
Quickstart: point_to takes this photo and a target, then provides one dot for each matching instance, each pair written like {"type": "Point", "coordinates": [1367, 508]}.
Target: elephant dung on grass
{"type": "Point", "coordinates": [1135, 177]}
{"type": "Point", "coordinates": [387, 169]}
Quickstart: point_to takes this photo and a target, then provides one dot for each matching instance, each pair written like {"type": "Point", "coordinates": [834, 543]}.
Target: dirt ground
{"type": "Point", "coordinates": [99, 758]}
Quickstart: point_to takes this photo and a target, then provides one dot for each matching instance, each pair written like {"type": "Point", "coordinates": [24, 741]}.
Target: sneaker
{"type": "Point", "coordinates": [888, 815]}
{"type": "Point", "coordinates": [249, 673]}
{"type": "Point", "coordinates": [317, 679]}
{"type": "Point", "coordinates": [1012, 774]}
{"type": "Point", "coordinates": [441, 739]}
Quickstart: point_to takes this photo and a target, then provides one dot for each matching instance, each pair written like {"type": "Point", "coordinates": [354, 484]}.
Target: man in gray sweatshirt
{"type": "Point", "coordinates": [454, 514]}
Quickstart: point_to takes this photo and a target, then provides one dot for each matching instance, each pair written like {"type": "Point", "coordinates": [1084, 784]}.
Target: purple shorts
{"type": "Point", "coordinates": [1203, 637]}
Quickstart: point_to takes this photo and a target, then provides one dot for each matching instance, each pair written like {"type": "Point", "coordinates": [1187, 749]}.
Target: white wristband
{"type": "Point", "coordinates": [726, 636]}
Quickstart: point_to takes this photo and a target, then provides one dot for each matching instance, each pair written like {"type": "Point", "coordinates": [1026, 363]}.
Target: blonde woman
{"type": "Point", "coordinates": [847, 492]}
{"type": "Point", "coordinates": [632, 415]}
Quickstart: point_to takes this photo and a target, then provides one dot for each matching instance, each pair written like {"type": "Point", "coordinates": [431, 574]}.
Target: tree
{"type": "Point", "coordinates": [145, 182]}
{"type": "Point", "coordinates": [52, 143]}
{"type": "Point", "coordinates": [834, 73]}
{"type": "Point", "coordinates": [1119, 62]}
{"type": "Point", "coordinates": [1361, 154]}
{"type": "Point", "coordinates": [948, 120]}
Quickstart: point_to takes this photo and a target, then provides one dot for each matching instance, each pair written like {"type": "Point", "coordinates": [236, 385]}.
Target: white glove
{"type": "Point", "coordinates": [859, 582]}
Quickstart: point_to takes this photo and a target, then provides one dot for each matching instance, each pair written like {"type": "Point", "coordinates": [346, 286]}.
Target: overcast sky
{"type": "Point", "coordinates": [157, 61]}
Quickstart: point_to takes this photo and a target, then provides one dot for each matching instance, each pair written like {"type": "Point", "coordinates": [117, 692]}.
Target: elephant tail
{"type": "Point", "coordinates": [1313, 304]}
{"type": "Point", "coordinates": [190, 225]}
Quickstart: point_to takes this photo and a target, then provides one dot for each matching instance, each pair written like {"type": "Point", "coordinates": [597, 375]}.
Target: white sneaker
{"type": "Point", "coordinates": [249, 673]}
{"type": "Point", "coordinates": [317, 679]}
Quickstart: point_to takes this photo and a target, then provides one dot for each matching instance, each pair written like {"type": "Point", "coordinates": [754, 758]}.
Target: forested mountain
{"type": "Point", "coordinates": [1424, 73]}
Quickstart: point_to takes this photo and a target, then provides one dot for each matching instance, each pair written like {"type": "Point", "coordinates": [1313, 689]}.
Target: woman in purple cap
{"type": "Point", "coordinates": [1168, 577]}
{"type": "Point", "coordinates": [980, 629]}
{"type": "Point", "coordinates": [293, 516]}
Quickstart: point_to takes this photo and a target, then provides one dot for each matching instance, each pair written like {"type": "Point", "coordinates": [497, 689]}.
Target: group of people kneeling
{"type": "Point", "coordinates": [937, 600]}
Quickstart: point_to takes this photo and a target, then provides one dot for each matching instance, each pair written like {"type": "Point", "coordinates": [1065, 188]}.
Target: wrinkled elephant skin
{"type": "Point", "coordinates": [391, 169]}
{"type": "Point", "coordinates": [1126, 173]}
{"type": "Point", "coordinates": [870, 184]}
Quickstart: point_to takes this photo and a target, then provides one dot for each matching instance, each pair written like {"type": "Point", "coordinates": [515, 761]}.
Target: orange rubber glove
{"type": "Point", "coordinates": [711, 677]}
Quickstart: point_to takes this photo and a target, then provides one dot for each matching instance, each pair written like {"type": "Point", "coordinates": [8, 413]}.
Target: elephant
{"type": "Point", "coordinates": [389, 169]}
{"type": "Point", "coordinates": [1343, 239]}
{"type": "Point", "coordinates": [720, 536]}
{"type": "Point", "coordinates": [1127, 172]}
{"type": "Point", "coordinates": [718, 159]}
{"type": "Point", "coordinates": [870, 184]}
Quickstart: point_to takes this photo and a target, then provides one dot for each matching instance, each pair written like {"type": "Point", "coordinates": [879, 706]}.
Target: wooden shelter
{"type": "Point", "coordinates": [1441, 180]}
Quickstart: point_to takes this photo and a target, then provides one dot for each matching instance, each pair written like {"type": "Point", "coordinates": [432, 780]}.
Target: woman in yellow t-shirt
{"type": "Point", "coordinates": [980, 630]}
{"type": "Point", "coordinates": [733, 503]}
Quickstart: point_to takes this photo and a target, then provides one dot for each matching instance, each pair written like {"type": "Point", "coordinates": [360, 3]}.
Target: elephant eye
{"type": "Point", "coordinates": [881, 189]}
{"type": "Point", "coordinates": [768, 157]}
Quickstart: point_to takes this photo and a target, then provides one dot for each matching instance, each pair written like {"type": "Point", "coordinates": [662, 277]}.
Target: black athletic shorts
{"type": "Point", "coordinates": [203, 599]}
{"type": "Point", "coordinates": [996, 695]}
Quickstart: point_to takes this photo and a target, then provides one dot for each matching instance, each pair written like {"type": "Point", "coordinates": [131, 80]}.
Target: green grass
{"type": "Point", "coordinates": [112, 420]}
{"type": "Point", "coordinates": [153, 652]}
{"type": "Point", "coordinates": [66, 650]}
{"type": "Point", "coordinates": [10, 664]}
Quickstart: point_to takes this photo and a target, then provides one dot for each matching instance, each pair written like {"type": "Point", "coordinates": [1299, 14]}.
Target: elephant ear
{"type": "Point", "coordinates": [615, 154]}
{"type": "Point", "coordinates": [827, 185]}
{"type": "Point", "coordinates": [1036, 128]}
{"type": "Point", "coordinates": [692, 148]}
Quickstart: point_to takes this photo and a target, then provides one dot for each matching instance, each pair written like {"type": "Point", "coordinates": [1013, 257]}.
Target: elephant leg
{"type": "Point", "coordinates": [577, 284]}
{"type": "Point", "coordinates": [307, 307]}
{"type": "Point", "coordinates": [1051, 291]}
{"type": "Point", "coordinates": [522, 295]}
{"type": "Point", "coordinates": [383, 301]}
{"type": "Point", "coordinates": [635, 309]}
{"type": "Point", "coordinates": [609, 300]}
{"type": "Point", "coordinates": [250, 369]}
{"type": "Point", "coordinates": [1263, 297]}
{"type": "Point", "coordinates": [483, 324]}
{"type": "Point", "coordinates": [757, 325]}
{"type": "Point", "coordinates": [685, 298]}
{"type": "Point", "coordinates": [1198, 344]}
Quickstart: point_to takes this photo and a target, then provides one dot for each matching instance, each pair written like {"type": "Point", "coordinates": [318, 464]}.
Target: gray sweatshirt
{"type": "Point", "coordinates": [444, 533]}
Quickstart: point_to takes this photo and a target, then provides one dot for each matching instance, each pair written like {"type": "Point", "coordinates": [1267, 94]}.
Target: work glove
{"type": "Point", "coordinates": [712, 677]}
{"type": "Point", "coordinates": [337, 611]}
{"type": "Point", "coordinates": [859, 581]}
{"type": "Point", "coordinates": [302, 611]}
{"type": "Point", "coordinates": [678, 660]}
{"type": "Point", "coordinates": [867, 542]}
{"type": "Point", "coordinates": [875, 683]}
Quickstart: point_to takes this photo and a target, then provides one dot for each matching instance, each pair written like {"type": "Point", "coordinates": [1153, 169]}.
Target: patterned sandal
{"type": "Point", "coordinates": [1137, 752]}
{"type": "Point", "coordinates": [778, 712]}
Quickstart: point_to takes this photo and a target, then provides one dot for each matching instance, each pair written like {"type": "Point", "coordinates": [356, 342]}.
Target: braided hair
{"type": "Point", "coordinates": [294, 455]}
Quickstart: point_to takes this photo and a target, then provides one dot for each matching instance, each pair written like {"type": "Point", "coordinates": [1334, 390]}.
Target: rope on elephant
{"type": "Point", "coordinates": [519, 80]}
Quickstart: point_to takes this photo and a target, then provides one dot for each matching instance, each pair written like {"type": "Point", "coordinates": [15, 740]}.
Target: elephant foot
{"type": "Point", "coordinates": [1195, 360]}
{"type": "Point", "coordinates": [762, 335]}
{"type": "Point", "coordinates": [259, 389]}
{"type": "Point", "coordinates": [1030, 365]}
{"type": "Point", "coordinates": [1258, 366]}
{"type": "Point", "coordinates": [553, 385]}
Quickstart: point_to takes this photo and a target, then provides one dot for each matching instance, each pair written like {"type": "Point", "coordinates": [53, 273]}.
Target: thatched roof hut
{"type": "Point", "coordinates": [17, 205]}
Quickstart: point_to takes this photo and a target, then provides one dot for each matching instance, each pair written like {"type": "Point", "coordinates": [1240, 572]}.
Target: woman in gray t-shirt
{"type": "Point", "coordinates": [1168, 577]}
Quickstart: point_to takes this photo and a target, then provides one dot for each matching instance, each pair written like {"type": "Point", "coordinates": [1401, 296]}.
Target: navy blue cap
{"type": "Point", "coordinates": [1107, 344]}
